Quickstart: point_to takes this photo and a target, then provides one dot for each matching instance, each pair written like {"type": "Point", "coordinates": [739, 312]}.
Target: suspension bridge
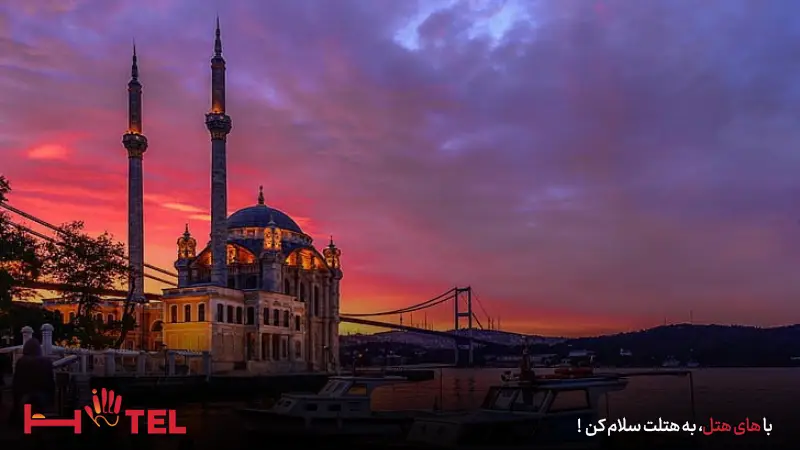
{"type": "Point", "coordinates": [460, 300]}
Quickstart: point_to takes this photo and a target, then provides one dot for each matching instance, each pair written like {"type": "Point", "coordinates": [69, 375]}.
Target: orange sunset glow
{"type": "Point", "coordinates": [442, 146]}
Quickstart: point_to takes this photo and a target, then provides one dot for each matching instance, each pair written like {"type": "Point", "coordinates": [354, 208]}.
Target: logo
{"type": "Point", "coordinates": [105, 412]}
{"type": "Point", "coordinates": [111, 405]}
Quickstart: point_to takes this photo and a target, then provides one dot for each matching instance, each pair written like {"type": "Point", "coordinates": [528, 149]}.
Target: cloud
{"type": "Point", "coordinates": [48, 152]}
{"type": "Point", "coordinates": [593, 165]}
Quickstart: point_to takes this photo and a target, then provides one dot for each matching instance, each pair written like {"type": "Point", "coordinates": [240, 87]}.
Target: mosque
{"type": "Point", "coordinates": [259, 296]}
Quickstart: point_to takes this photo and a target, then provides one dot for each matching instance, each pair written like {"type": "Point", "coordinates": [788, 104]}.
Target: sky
{"type": "Point", "coordinates": [587, 166]}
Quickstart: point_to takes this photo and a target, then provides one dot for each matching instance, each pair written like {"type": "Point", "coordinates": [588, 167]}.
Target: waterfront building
{"type": "Point", "coordinates": [259, 296]}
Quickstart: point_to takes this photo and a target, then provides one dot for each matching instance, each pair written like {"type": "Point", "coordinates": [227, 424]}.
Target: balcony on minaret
{"type": "Point", "coordinates": [135, 143]}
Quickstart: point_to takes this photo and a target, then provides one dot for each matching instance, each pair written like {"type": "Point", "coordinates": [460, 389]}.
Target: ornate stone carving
{"type": "Point", "coordinates": [219, 125]}
{"type": "Point", "coordinates": [187, 245]}
{"type": "Point", "coordinates": [272, 239]}
{"type": "Point", "coordinates": [333, 256]}
{"type": "Point", "coordinates": [135, 143]}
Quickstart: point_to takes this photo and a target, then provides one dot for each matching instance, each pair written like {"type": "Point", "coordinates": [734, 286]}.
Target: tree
{"type": "Point", "coordinates": [20, 256]}
{"type": "Point", "coordinates": [86, 266]}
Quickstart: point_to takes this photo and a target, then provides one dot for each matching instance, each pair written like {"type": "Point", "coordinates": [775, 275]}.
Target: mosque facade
{"type": "Point", "coordinates": [259, 295]}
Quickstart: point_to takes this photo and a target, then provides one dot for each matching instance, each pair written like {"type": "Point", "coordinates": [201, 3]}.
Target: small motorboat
{"type": "Point", "coordinates": [340, 411]}
{"type": "Point", "coordinates": [529, 411]}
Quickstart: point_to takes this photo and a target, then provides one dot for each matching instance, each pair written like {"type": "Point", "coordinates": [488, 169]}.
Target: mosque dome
{"type": "Point", "coordinates": [259, 216]}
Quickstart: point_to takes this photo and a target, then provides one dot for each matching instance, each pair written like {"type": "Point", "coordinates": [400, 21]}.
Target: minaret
{"type": "Point", "coordinates": [136, 144]}
{"type": "Point", "coordinates": [219, 125]}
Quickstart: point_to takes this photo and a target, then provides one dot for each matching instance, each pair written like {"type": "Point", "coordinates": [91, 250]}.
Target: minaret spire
{"type": "Point", "coordinates": [261, 195]}
{"type": "Point", "coordinates": [136, 144]}
{"type": "Point", "coordinates": [134, 65]}
{"type": "Point", "coordinates": [218, 41]}
{"type": "Point", "coordinates": [219, 125]}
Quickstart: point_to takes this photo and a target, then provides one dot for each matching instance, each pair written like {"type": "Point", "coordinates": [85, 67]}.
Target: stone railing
{"type": "Point", "coordinates": [115, 362]}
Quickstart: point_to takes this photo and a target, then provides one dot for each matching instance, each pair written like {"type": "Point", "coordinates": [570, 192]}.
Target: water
{"type": "Point", "coordinates": [730, 395]}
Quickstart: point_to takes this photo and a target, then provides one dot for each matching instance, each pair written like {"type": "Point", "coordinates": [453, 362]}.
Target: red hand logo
{"type": "Point", "coordinates": [106, 406]}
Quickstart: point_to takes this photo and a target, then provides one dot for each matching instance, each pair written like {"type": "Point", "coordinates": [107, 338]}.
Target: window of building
{"type": "Point", "coordinates": [173, 313]}
{"type": "Point", "coordinates": [239, 314]}
{"type": "Point", "coordinates": [220, 313]}
{"type": "Point", "coordinates": [302, 292]}
{"type": "Point", "coordinates": [298, 350]}
{"type": "Point", "coordinates": [231, 283]}
{"type": "Point", "coordinates": [187, 313]}
{"type": "Point", "coordinates": [316, 301]}
{"type": "Point", "coordinates": [266, 316]}
{"type": "Point", "coordinates": [287, 287]}
{"type": "Point", "coordinates": [110, 319]}
{"type": "Point", "coordinates": [297, 323]}
{"type": "Point", "coordinates": [276, 317]}
{"type": "Point", "coordinates": [251, 315]}
{"type": "Point", "coordinates": [201, 312]}
{"type": "Point", "coordinates": [286, 319]}
{"type": "Point", "coordinates": [285, 347]}
{"type": "Point", "coordinates": [229, 312]}
{"type": "Point", "coordinates": [98, 317]}
{"type": "Point", "coordinates": [251, 282]}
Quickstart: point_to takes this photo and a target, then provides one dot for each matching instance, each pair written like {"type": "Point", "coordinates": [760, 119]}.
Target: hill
{"type": "Point", "coordinates": [712, 345]}
{"type": "Point", "coordinates": [709, 345]}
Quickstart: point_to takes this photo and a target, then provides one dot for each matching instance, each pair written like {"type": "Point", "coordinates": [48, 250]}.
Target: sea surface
{"type": "Point", "coordinates": [729, 395]}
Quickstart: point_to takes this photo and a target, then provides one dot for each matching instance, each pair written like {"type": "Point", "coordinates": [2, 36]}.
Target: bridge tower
{"type": "Point", "coordinates": [460, 294]}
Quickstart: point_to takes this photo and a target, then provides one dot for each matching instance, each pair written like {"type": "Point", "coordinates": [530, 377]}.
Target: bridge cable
{"type": "Point", "coordinates": [423, 305]}
{"type": "Point", "coordinates": [59, 230]}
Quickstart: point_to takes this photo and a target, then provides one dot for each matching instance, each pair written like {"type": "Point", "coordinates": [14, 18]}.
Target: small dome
{"type": "Point", "coordinates": [259, 216]}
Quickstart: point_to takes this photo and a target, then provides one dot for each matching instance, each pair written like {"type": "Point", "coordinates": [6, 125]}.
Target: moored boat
{"type": "Point", "coordinates": [340, 411]}
{"type": "Point", "coordinates": [538, 412]}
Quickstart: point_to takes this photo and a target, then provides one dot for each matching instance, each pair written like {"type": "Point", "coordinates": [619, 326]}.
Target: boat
{"type": "Point", "coordinates": [341, 410]}
{"type": "Point", "coordinates": [543, 411]}
{"type": "Point", "coordinates": [671, 362]}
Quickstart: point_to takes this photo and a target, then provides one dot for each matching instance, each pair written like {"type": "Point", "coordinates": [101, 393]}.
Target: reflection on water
{"type": "Point", "coordinates": [725, 394]}
{"type": "Point", "coordinates": [721, 393]}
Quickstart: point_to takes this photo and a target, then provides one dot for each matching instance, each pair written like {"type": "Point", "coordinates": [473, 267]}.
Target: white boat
{"type": "Point", "coordinates": [544, 412]}
{"type": "Point", "coordinates": [342, 409]}
{"type": "Point", "coordinates": [671, 362]}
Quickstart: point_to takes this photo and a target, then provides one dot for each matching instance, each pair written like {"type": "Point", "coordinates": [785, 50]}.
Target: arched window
{"type": "Point", "coordinates": [287, 288]}
{"type": "Point", "coordinates": [302, 292]}
{"type": "Point", "coordinates": [98, 317]}
{"type": "Point", "coordinates": [110, 319]}
{"type": "Point", "coordinates": [276, 317]}
{"type": "Point", "coordinates": [297, 323]}
{"type": "Point", "coordinates": [187, 313]}
{"type": "Point", "coordinates": [266, 316]}
{"type": "Point", "coordinates": [71, 316]}
{"type": "Point", "coordinates": [251, 315]}
{"type": "Point", "coordinates": [316, 301]}
{"type": "Point", "coordinates": [201, 312]}
{"type": "Point", "coordinates": [220, 313]}
{"type": "Point", "coordinates": [173, 313]}
{"type": "Point", "coordinates": [286, 319]}
{"type": "Point", "coordinates": [157, 326]}
{"type": "Point", "coordinates": [229, 313]}
{"type": "Point", "coordinates": [239, 314]}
